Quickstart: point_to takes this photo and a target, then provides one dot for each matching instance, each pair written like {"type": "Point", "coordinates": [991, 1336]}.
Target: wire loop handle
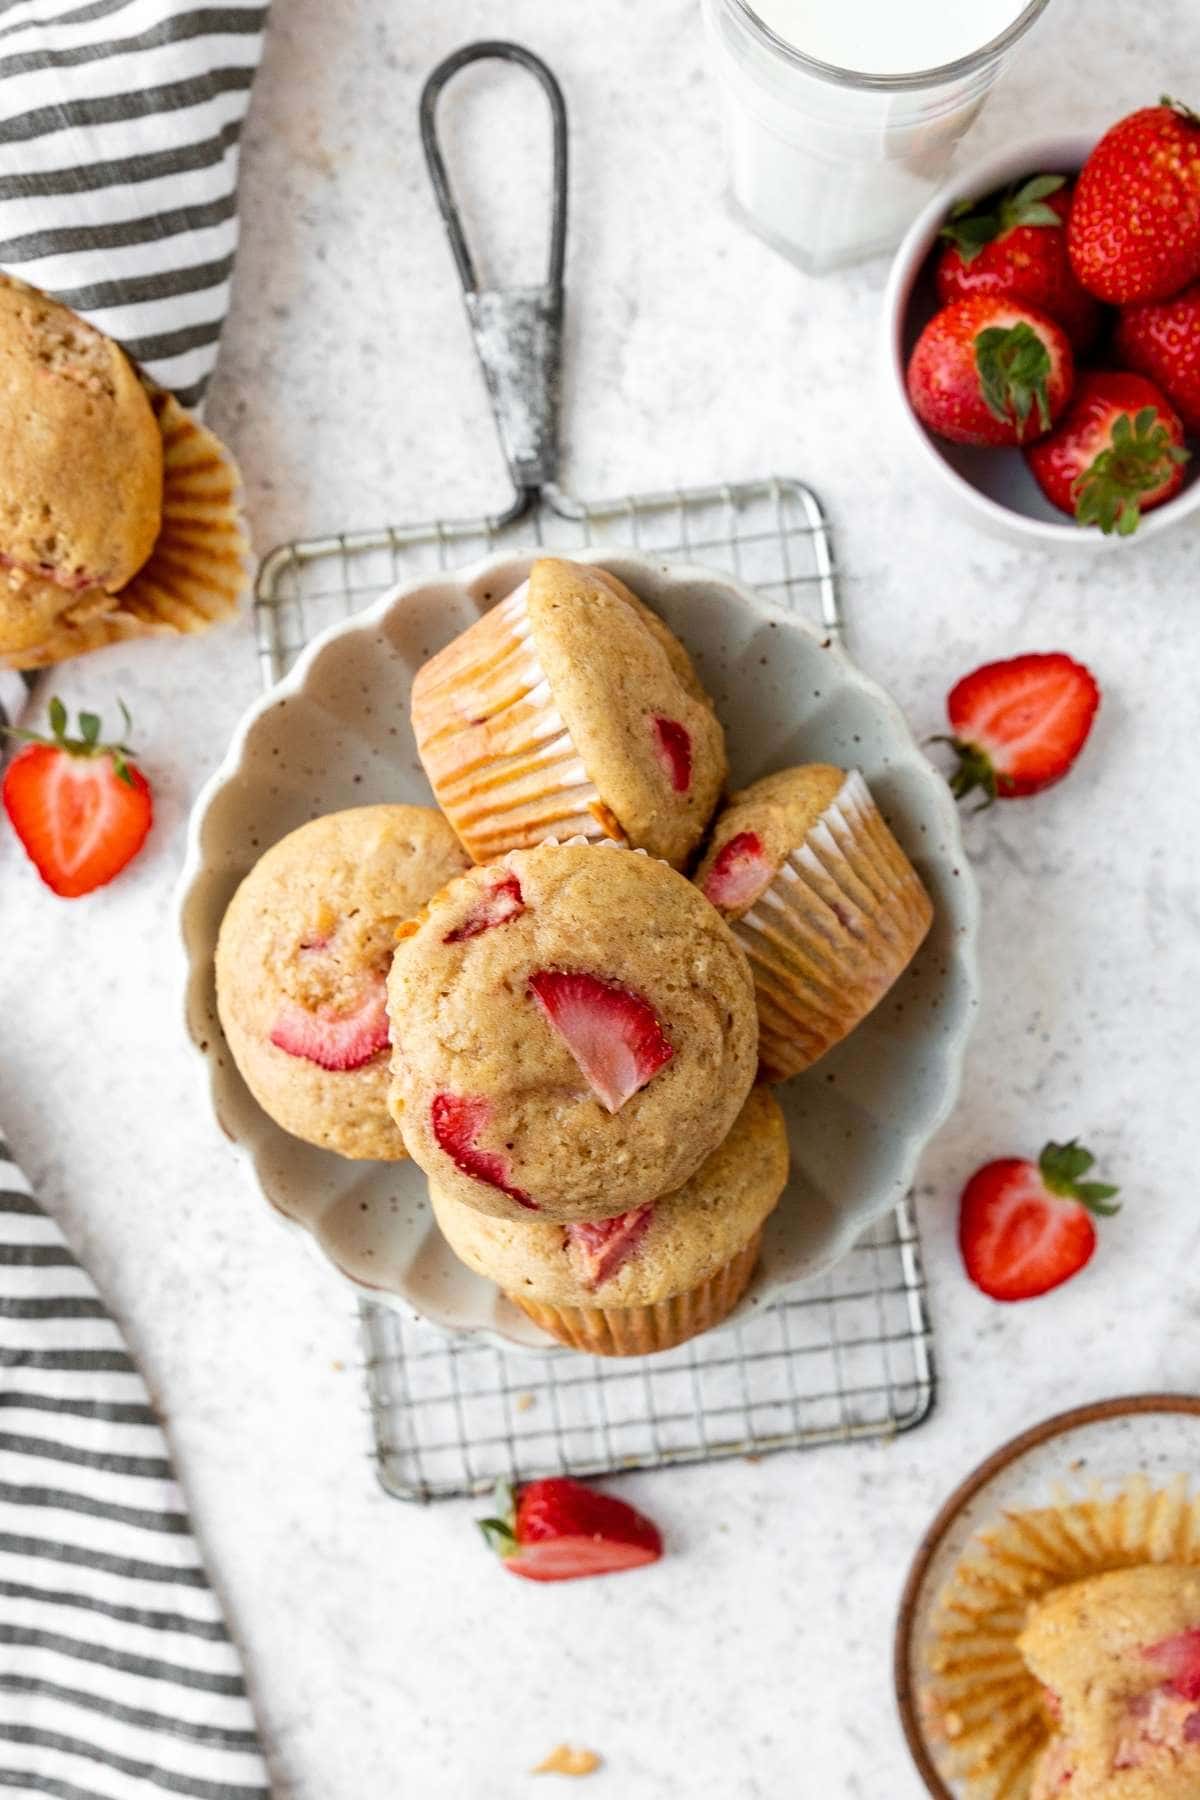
{"type": "Point", "coordinates": [517, 330]}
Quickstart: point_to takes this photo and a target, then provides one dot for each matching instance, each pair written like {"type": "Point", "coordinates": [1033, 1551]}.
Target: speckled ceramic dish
{"type": "Point", "coordinates": [336, 733]}
{"type": "Point", "coordinates": [1091, 1452]}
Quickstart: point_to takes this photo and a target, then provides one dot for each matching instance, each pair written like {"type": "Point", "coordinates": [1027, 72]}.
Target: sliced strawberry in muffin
{"type": "Point", "coordinates": [601, 1247]}
{"type": "Point", "coordinates": [740, 872]}
{"type": "Point", "coordinates": [674, 746]}
{"type": "Point", "coordinates": [496, 905]}
{"type": "Point", "coordinates": [614, 1035]}
{"type": "Point", "coordinates": [335, 1040]}
{"type": "Point", "coordinates": [457, 1121]}
{"type": "Point", "coordinates": [1179, 1659]}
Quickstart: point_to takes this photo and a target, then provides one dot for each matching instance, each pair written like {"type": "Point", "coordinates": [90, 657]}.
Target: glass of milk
{"type": "Point", "coordinates": [842, 115]}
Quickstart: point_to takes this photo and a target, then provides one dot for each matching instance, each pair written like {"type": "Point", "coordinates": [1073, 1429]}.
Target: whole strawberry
{"type": "Point", "coordinates": [1161, 339]}
{"type": "Point", "coordinates": [558, 1529]}
{"type": "Point", "coordinates": [79, 806]}
{"type": "Point", "coordinates": [1117, 453]}
{"type": "Point", "coordinates": [1134, 229]}
{"type": "Point", "coordinates": [1014, 246]}
{"type": "Point", "coordinates": [990, 371]}
{"type": "Point", "coordinates": [1025, 1227]}
{"type": "Point", "coordinates": [1019, 725]}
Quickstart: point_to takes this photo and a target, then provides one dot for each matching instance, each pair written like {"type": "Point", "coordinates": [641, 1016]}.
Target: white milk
{"type": "Point", "coordinates": [829, 169]}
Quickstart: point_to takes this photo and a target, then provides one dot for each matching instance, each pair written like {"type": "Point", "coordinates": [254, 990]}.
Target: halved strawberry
{"type": "Point", "coordinates": [1019, 725]}
{"type": "Point", "coordinates": [80, 807]}
{"type": "Point", "coordinates": [333, 1040]}
{"type": "Point", "coordinates": [558, 1529]}
{"type": "Point", "coordinates": [602, 1246]}
{"type": "Point", "coordinates": [674, 746]}
{"type": "Point", "coordinates": [1179, 1659]}
{"type": "Point", "coordinates": [457, 1120]}
{"type": "Point", "coordinates": [614, 1035]}
{"type": "Point", "coordinates": [497, 904]}
{"type": "Point", "coordinates": [1025, 1228]}
{"type": "Point", "coordinates": [739, 874]}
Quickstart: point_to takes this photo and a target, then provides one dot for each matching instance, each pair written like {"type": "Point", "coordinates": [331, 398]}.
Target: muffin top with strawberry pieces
{"type": "Point", "coordinates": [573, 1032]}
{"type": "Point", "coordinates": [759, 828]}
{"type": "Point", "coordinates": [1119, 1657]}
{"type": "Point", "coordinates": [302, 958]}
{"type": "Point", "coordinates": [664, 1247]}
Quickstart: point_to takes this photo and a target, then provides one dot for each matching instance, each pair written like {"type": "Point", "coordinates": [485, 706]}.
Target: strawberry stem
{"type": "Point", "coordinates": [1180, 107]}
{"type": "Point", "coordinates": [87, 743]}
{"type": "Point", "coordinates": [1139, 459]}
{"type": "Point", "coordinates": [975, 770]}
{"type": "Point", "coordinates": [969, 228]}
{"type": "Point", "coordinates": [500, 1532]}
{"type": "Point", "coordinates": [1062, 1166]}
{"type": "Point", "coordinates": [1013, 365]}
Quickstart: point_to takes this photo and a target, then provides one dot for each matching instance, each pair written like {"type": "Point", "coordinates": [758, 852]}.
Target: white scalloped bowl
{"type": "Point", "coordinates": [336, 733]}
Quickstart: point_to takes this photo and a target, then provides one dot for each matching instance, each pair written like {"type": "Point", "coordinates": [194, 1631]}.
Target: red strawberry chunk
{"type": "Point", "coordinates": [614, 1035]}
{"type": "Point", "coordinates": [674, 746]}
{"type": "Point", "coordinates": [336, 1041]}
{"type": "Point", "coordinates": [1179, 1659]}
{"type": "Point", "coordinates": [564, 1530]}
{"type": "Point", "coordinates": [457, 1121]}
{"type": "Point", "coordinates": [495, 906]}
{"type": "Point", "coordinates": [603, 1246]}
{"type": "Point", "coordinates": [740, 872]}
{"type": "Point", "coordinates": [1020, 724]}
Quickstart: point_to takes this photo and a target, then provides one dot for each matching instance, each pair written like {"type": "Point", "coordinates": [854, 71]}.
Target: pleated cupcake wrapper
{"type": "Point", "coordinates": [983, 1708]}
{"type": "Point", "coordinates": [499, 757]}
{"type": "Point", "coordinates": [641, 1330]}
{"type": "Point", "coordinates": [199, 570]}
{"type": "Point", "coordinates": [840, 921]}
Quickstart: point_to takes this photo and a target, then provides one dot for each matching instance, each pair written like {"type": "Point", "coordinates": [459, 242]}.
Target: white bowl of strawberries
{"type": "Point", "coordinates": [1042, 334]}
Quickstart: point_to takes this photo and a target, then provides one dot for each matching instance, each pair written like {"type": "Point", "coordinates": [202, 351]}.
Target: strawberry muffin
{"type": "Point", "coordinates": [81, 469]}
{"type": "Point", "coordinates": [302, 960]}
{"type": "Point", "coordinates": [647, 1279]}
{"type": "Point", "coordinates": [822, 899]}
{"type": "Point", "coordinates": [1119, 1659]}
{"type": "Point", "coordinates": [573, 1032]}
{"type": "Point", "coordinates": [569, 709]}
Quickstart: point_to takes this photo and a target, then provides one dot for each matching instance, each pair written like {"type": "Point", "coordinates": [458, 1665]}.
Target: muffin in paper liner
{"type": "Point", "coordinates": [982, 1706]}
{"type": "Point", "coordinates": [834, 927]}
{"type": "Point", "coordinates": [198, 569]}
{"type": "Point", "coordinates": [569, 710]}
{"type": "Point", "coordinates": [641, 1330]}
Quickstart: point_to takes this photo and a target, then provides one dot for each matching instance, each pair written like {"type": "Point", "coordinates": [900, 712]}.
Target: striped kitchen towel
{"type": "Point", "coordinates": [119, 126]}
{"type": "Point", "coordinates": [118, 1680]}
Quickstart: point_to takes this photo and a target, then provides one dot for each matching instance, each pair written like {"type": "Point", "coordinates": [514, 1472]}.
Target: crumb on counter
{"type": "Point", "coordinates": [523, 1402]}
{"type": "Point", "coordinates": [564, 1760]}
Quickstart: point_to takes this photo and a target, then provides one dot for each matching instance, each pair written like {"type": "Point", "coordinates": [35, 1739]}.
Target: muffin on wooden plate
{"type": "Point", "coordinates": [119, 514]}
{"type": "Point", "coordinates": [573, 1032]}
{"type": "Point", "coordinates": [569, 709]}
{"type": "Point", "coordinates": [302, 959]}
{"type": "Point", "coordinates": [822, 899]}
{"type": "Point", "coordinates": [1063, 1646]}
{"type": "Point", "coordinates": [650, 1278]}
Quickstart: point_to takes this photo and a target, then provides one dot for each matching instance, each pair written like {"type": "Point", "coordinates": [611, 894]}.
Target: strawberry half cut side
{"type": "Point", "coordinates": [614, 1035]}
{"type": "Point", "coordinates": [457, 1120]}
{"type": "Point", "coordinates": [558, 1530]}
{"type": "Point", "coordinates": [602, 1246]}
{"type": "Point", "coordinates": [1179, 1659]}
{"type": "Point", "coordinates": [739, 874]}
{"type": "Point", "coordinates": [1025, 1227]}
{"type": "Point", "coordinates": [496, 904]}
{"type": "Point", "coordinates": [335, 1041]}
{"type": "Point", "coordinates": [1019, 725]}
{"type": "Point", "coordinates": [674, 746]}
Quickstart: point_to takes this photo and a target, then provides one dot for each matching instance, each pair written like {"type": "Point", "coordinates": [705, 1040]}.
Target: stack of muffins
{"type": "Point", "coordinates": [566, 1035]}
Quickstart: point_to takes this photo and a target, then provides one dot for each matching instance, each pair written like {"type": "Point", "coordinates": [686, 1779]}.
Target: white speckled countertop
{"type": "Point", "coordinates": [388, 1656]}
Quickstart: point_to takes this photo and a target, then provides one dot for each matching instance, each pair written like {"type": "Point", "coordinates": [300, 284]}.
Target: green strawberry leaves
{"type": "Point", "coordinates": [1013, 365]}
{"type": "Point", "coordinates": [1139, 459]}
{"type": "Point", "coordinates": [87, 743]}
{"type": "Point", "coordinates": [1061, 1167]}
{"type": "Point", "coordinates": [971, 226]}
{"type": "Point", "coordinates": [500, 1532]}
{"type": "Point", "coordinates": [975, 770]}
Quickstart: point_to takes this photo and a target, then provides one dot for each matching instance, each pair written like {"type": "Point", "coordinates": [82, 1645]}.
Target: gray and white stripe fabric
{"type": "Point", "coordinates": [118, 1679]}
{"type": "Point", "coordinates": [119, 127]}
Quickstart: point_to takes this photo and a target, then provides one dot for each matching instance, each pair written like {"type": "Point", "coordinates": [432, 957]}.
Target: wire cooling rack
{"type": "Point", "coordinates": [849, 1355]}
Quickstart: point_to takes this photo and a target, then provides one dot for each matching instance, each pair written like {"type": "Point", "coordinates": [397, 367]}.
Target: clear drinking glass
{"type": "Point", "coordinates": [828, 164]}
